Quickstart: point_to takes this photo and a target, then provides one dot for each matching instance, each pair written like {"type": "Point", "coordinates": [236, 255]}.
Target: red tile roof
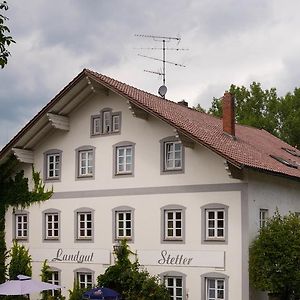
{"type": "Point", "coordinates": [251, 148]}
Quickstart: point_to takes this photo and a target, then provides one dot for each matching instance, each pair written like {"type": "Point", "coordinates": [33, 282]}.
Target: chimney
{"type": "Point", "coordinates": [183, 103]}
{"type": "Point", "coordinates": [228, 114]}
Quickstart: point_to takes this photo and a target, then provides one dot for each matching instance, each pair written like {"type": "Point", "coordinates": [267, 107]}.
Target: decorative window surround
{"type": "Point", "coordinates": [106, 123]}
{"type": "Point", "coordinates": [84, 224]}
{"type": "Point", "coordinates": [123, 223]}
{"type": "Point", "coordinates": [172, 156]}
{"type": "Point", "coordinates": [51, 225]}
{"type": "Point", "coordinates": [52, 165]}
{"type": "Point", "coordinates": [85, 277]}
{"type": "Point", "coordinates": [214, 286]}
{"type": "Point", "coordinates": [263, 216]}
{"type": "Point", "coordinates": [214, 217]}
{"type": "Point", "coordinates": [175, 283]}
{"type": "Point", "coordinates": [85, 162]}
{"type": "Point", "coordinates": [173, 224]}
{"type": "Point", "coordinates": [123, 159]}
{"type": "Point", "coordinates": [21, 225]}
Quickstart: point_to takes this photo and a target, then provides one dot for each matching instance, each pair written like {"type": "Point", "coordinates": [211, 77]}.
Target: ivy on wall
{"type": "Point", "coordinates": [14, 191]}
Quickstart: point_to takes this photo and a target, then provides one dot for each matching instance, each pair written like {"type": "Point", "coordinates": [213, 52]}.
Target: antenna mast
{"type": "Point", "coordinates": [163, 39]}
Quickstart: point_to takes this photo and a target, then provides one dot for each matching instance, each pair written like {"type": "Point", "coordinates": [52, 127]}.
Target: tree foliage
{"type": "Point", "coordinates": [274, 259]}
{"type": "Point", "coordinates": [265, 110]}
{"type": "Point", "coordinates": [130, 280]}
{"type": "Point", "coordinates": [5, 38]}
{"type": "Point", "coordinates": [20, 262]}
{"type": "Point", "coordinates": [14, 191]}
{"type": "Point", "coordinates": [76, 292]}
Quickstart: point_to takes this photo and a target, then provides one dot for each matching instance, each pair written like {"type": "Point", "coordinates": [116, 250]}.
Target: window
{"type": "Point", "coordinates": [215, 289]}
{"type": "Point", "coordinates": [21, 226]}
{"type": "Point", "coordinates": [54, 279]}
{"type": "Point", "coordinates": [84, 278]}
{"type": "Point", "coordinates": [52, 165]}
{"type": "Point", "coordinates": [123, 158]}
{"type": "Point", "coordinates": [51, 224]}
{"type": "Point", "coordinates": [106, 122]}
{"type": "Point", "coordinates": [116, 123]}
{"type": "Point", "coordinates": [123, 223]}
{"type": "Point", "coordinates": [84, 224]}
{"type": "Point", "coordinates": [175, 283]}
{"type": "Point", "coordinates": [96, 125]}
{"type": "Point", "coordinates": [173, 222]}
{"type": "Point", "coordinates": [172, 155]}
{"type": "Point", "coordinates": [263, 216]}
{"type": "Point", "coordinates": [85, 163]}
{"type": "Point", "coordinates": [214, 223]}
{"type": "Point", "coordinates": [214, 286]}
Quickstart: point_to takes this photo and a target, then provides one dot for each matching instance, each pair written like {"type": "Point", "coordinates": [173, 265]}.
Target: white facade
{"type": "Point", "coordinates": [197, 190]}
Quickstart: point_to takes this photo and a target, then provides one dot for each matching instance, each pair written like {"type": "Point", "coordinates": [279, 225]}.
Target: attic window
{"type": "Point", "coordinates": [107, 122]}
{"type": "Point", "coordinates": [286, 162]}
{"type": "Point", "coordinates": [292, 151]}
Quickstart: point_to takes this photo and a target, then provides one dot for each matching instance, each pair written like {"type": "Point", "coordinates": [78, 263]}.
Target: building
{"type": "Point", "coordinates": [187, 190]}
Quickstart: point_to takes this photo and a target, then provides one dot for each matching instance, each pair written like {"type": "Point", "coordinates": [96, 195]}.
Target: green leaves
{"type": "Point", "coordinates": [5, 40]}
{"type": "Point", "coordinates": [274, 257]}
{"type": "Point", "coordinates": [20, 262]}
{"type": "Point", "coordinates": [130, 280]}
{"type": "Point", "coordinates": [263, 109]}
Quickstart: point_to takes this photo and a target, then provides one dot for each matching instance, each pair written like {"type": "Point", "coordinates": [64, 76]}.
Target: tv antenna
{"type": "Point", "coordinates": [162, 39]}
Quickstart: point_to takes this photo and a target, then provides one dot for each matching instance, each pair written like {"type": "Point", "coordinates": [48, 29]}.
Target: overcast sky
{"type": "Point", "coordinates": [229, 41]}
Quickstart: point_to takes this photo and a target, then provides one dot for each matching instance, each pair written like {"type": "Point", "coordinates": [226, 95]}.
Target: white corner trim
{"type": "Point", "coordinates": [24, 156]}
{"type": "Point", "coordinates": [59, 122]}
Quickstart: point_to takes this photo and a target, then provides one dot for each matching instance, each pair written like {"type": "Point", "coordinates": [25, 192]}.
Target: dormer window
{"type": "Point", "coordinates": [288, 162]}
{"type": "Point", "coordinates": [292, 151]}
{"type": "Point", "coordinates": [107, 122]}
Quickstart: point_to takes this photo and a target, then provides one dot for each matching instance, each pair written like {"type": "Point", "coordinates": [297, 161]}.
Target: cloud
{"type": "Point", "coordinates": [229, 41]}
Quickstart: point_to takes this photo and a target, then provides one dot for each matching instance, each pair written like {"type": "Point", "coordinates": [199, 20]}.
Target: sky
{"type": "Point", "coordinates": [228, 41]}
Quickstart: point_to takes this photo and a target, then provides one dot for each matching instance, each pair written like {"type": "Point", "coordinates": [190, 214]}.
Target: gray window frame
{"type": "Point", "coordinates": [48, 212]}
{"type": "Point", "coordinates": [15, 215]}
{"type": "Point", "coordinates": [79, 150]}
{"type": "Point", "coordinates": [84, 271]}
{"type": "Point", "coordinates": [175, 274]}
{"type": "Point", "coordinates": [215, 276]}
{"type": "Point", "coordinates": [115, 211]}
{"type": "Point", "coordinates": [83, 210]}
{"type": "Point", "coordinates": [46, 166]}
{"type": "Point", "coordinates": [163, 169]}
{"type": "Point", "coordinates": [213, 206]}
{"type": "Point", "coordinates": [172, 208]}
{"type": "Point", "coordinates": [100, 117]}
{"type": "Point", "coordinates": [117, 146]}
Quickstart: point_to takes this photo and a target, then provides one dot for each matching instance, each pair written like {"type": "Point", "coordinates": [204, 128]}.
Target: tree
{"type": "Point", "coordinates": [254, 107]}
{"type": "Point", "coordinates": [130, 280]}
{"type": "Point", "coordinates": [290, 118]}
{"type": "Point", "coordinates": [265, 110]}
{"type": "Point", "coordinates": [274, 257]}
{"type": "Point", "coordinates": [20, 262]}
{"type": "Point", "coordinates": [5, 40]}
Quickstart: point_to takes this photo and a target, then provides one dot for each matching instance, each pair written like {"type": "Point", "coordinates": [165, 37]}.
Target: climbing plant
{"type": "Point", "coordinates": [14, 191]}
